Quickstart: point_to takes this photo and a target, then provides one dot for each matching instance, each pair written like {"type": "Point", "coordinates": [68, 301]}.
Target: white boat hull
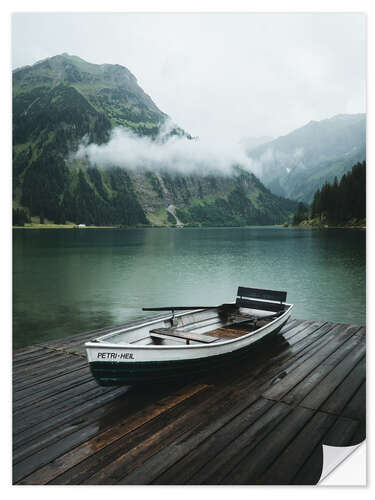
{"type": "Point", "coordinates": [114, 361]}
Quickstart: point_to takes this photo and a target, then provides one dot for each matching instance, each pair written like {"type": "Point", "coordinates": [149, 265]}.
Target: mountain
{"type": "Point", "coordinates": [63, 100]}
{"type": "Point", "coordinates": [297, 164]}
{"type": "Point", "coordinates": [110, 90]}
{"type": "Point", "coordinates": [249, 143]}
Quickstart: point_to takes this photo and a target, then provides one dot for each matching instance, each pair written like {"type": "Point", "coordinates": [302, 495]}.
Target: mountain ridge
{"type": "Point", "coordinates": [61, 100]}
{"type": "Point", "coordinates": [298, 163]}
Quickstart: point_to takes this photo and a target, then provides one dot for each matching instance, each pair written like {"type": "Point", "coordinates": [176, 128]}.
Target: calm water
{"type": "Point", "coordinates": [69, 281]}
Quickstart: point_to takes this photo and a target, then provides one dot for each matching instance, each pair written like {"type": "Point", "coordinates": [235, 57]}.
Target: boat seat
{"type": "Point", "coordinates": [162, 333]}
{"type": "Point", "coordinates": [262, 300]}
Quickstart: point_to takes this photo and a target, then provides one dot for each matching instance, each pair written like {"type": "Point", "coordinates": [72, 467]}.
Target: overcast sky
{"type": "Point", "coordinates": [218, 75]}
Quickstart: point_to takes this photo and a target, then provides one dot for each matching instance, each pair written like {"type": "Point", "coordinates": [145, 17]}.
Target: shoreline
{"type": "Point", "coordinates": [322, 228]}
{"type": "Point", "coordinates": [65, 226]}
{"type": "Point", "coordinates": [318, 224]}
{"type": "Point", "coordinates": [299, 226]}
{"type": "Point", "coordinates": [305, 226]}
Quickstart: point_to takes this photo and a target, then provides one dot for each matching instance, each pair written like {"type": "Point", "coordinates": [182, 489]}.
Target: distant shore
{"type": "Point", "coordinates": [317, 224]}
{"type": "Point", "coordinates": [62, 226]}
{"type": "Point", "coordinates": [75, 226]}
{"type": "Point", "coordinates": [303, 224]}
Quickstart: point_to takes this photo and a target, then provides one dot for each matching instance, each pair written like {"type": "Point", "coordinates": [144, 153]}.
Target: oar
{"type": "Point", "coordinates": [187, 308]}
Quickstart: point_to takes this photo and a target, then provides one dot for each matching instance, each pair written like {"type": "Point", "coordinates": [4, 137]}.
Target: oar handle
{"type": "Point", "coordinates": [187, 308]}
{"type": "Point", "coordinates": [177, 308]}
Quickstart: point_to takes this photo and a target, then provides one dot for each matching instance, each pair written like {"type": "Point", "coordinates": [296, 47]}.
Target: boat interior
{"type": "Point", "coordinates": [207, 325]}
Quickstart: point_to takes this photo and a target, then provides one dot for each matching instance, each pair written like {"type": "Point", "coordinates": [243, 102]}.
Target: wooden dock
{"type": "Point", "coordinates": [263, 422]}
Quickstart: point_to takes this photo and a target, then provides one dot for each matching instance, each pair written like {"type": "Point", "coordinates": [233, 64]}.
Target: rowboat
{"type": "Point", "coordinates": [188, 340]}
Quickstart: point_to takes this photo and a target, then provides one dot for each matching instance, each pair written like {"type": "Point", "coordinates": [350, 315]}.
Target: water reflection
{"type": "Point", "coordinates": [68, 281]}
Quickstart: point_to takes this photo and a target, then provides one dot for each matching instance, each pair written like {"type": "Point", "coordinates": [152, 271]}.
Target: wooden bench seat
{"type": "Point", "coordinates": [162, 333]}
{"type": "Point", "coordinates": [263, 300]}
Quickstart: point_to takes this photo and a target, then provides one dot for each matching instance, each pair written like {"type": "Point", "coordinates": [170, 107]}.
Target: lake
{"type": "Point", "coordinates": [70, 281]}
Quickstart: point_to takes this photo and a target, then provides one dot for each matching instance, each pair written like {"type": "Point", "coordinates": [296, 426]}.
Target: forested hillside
{"type": "Point", "coordinates": [340, 202]}
{"type": "Point", "coordinates": [63, 100]}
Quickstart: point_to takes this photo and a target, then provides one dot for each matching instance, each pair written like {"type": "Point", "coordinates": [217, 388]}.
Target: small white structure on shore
{"type": "Point", "coordinates": [81, 225]}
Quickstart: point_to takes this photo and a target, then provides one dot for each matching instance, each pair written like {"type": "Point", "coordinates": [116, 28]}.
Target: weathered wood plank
{"type": "Point", "coordinates": [48, 470]}
{"type": "Point", "coordinates": [122, 427]}
{"type": "Point", "coordinates": [101, 411]}
{"type": "Point", "coordinates": [302, 328]}
{"type": "Point", "coordinates": [23, 350]}
{"type": "Point", "coordinates": [54, 384]}
{"type": "Point", "coordinates": [331, 395]}
{"type": "Point", "coordinates": [55, 399]}
{"type": "Point", "coordinates": [340, 434]}
{"type": "Point", "coordinates": [237, 449]}
{"type": "Point", "coordinates": [328, 374]}
{"type": "Point", "coordinates": [71, 365]}
{"type": "Point", "coordinates": [32, 416]}
{"type": "Point", "coordinates": [292, 322]}
{"type": "Point", "coordinates": [247, 469]}
{"type": "Point", "coordinates": [50, 431]}
{"type": "Point", "coordinates": [39, 365]}
{"type": "Point", "coordinates": [179, 459]}
{"type": "Point", "coordinates": [37, 370]}
{"type": "Point", "coordinates": [108, 463]}
{"type": "Point", "coordinates": [356, 407]}
{"type": "Point", "coordinates": [172, 431]}
{"type": "Point", "coordinates": [337, 338]}
{"type": "Point", "coordinates": [68, 382]}
{"type": "Point", "coordinates": [296, 355]}
{"type": "Point", "coordinates": [28, 358]}
{"type": "Point", "coordinates": [284, 468]}
{"type": "Point", "coordinates": [360, 434]}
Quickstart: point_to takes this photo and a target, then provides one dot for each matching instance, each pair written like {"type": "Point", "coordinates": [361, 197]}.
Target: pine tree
{"type": "Point", "coordinates": [339, 202]}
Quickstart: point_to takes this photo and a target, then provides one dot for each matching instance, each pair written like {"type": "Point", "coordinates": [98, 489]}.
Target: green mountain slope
{"type": "Point", "coordinates": [297, 164]}
{"type": "Point", "coordinates": [63, 100]}
{"type": "Point", "coordinates": [110, 89]}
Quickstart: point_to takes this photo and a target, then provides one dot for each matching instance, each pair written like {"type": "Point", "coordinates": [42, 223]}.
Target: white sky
{"type": "Point", "coordinates": [218, 75]}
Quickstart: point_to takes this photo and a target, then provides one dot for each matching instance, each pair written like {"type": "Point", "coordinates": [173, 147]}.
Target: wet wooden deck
{"type": "Point", "coordinates": [263, 422]}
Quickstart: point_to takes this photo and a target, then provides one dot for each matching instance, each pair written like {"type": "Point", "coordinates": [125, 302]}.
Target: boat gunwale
{"type": "Point", "coordinates": [98, 343]}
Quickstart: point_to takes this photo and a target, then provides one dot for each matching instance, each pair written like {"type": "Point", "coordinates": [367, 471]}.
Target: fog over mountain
{"type": "Point", "coordinates": [293, 166]}
{"type": "Point", "coordinates": [166, 152]}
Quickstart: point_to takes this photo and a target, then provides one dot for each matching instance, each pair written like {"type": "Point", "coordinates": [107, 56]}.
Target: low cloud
{"type": "Point", "coordinates": [174, 153]}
